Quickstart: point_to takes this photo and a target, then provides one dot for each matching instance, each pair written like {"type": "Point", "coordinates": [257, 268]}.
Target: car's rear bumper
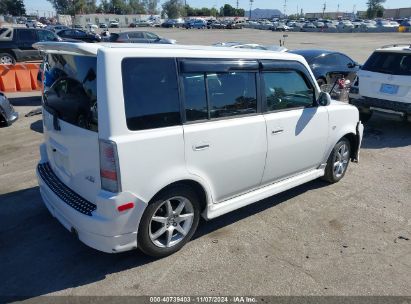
{"type": "Point", "coordinates": [388, 106]}
{"type": "Point", "coordinates": [98, 224]}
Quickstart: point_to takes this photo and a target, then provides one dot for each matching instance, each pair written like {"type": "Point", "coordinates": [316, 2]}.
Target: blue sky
{"type": "Point", "coordinates": [45, 7]}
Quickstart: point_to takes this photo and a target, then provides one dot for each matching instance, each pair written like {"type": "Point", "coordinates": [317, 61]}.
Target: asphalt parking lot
{"type": "Point", "coordinates": [350, 238]}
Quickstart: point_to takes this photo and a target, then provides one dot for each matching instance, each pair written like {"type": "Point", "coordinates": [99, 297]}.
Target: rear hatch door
{"type": "Point", "coordinates": [70, 121]}
{"type": "Point", "coordinates": [387, 75]}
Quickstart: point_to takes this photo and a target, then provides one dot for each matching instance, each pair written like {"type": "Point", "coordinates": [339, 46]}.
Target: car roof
{"type": "Point", "coordinates": [312, 53]}
{"type": "Point", "coordinates": [164, 50]}
{"type": "Point", "coordinates": [395, 48]}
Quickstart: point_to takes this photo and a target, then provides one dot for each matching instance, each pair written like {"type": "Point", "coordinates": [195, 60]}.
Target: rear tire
{"type": "Point", "coordinates": [169, 221]}
{"type": "Point", "coordinates": [337, 163]}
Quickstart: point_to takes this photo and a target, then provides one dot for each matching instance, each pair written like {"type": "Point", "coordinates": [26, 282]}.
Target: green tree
{"type": "Point", "coordinates": [12, 7]}
{"type": "Point", "coordinates": [137, 7]}
{"type": "Point", "coordinates": [375, 8]}
{"type": "Point", "coordinates": [173, 9]}
{"type": "Point", "coordinates": [229, 11]}
{"type": "Point", "coordinates": [151, 6]}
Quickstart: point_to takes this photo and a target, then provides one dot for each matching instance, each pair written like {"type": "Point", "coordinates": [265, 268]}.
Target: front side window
{"type": "Point", "coordinates": [150, 93]}
{"type": "Point", "coordinates": [286, 90]}
{"type": "Point", "coordinates": [134, 35]}
{"type": "Point", "coordinates": [46, 36]}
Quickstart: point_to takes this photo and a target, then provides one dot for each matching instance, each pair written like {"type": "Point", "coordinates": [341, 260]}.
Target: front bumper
{"type": "Point", "coordinates": [401, 108]}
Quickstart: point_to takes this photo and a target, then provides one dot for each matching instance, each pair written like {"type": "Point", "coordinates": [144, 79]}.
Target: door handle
{"type": "Point", "coordinates": [201, 147]}
{"type": "Point", "coordinates": [278, 131]}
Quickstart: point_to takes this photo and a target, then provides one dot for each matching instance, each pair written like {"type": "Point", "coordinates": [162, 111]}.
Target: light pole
{"type": "Point", "coordinates": [251, 6]}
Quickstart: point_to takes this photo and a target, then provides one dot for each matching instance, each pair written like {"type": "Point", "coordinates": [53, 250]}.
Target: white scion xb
{"type": "Point", "coordinates": [142, 140]}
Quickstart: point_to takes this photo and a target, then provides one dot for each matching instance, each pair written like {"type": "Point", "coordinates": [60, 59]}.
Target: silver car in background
{"type": "Point", "coordinates": [139, 37]}
{"type": "Point", "coordinates": [7, 113]}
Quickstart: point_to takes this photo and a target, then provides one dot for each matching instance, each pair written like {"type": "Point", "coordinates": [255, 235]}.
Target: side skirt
{"type": "Point", "coordinates": [216, 210]}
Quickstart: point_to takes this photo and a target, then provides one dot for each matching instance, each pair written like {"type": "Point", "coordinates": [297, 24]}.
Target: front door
{"type": "Point", "coordinates": [297, 129]}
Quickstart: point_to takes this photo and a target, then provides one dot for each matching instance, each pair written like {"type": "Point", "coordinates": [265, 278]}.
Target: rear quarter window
{"type": "Point", "coordinates": [150, 89]}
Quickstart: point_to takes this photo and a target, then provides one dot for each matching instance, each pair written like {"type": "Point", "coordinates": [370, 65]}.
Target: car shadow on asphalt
{"type": "Point", "coordinates": [39, 256]}
{"type": "Point", "coordinates": [383, 131]}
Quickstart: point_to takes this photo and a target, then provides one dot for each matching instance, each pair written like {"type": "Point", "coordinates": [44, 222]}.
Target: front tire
{"type": "Point", "coordinates": [338, 161]}
{"type": "Point", "coordinates": [169, 222]}
{"type": "Point", "coordinates": [6, 58]}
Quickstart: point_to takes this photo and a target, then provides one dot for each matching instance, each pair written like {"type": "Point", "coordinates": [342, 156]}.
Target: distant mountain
{"type": "Point", "coordinates": [263, 13]}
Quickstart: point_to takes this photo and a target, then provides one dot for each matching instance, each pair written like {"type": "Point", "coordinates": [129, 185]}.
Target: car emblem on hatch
{"type": "Point", "coordinates": [90, 178]}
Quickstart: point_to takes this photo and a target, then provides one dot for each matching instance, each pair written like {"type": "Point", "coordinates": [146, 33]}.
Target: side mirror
{"type": "Point", "coordinates": [324, 99]}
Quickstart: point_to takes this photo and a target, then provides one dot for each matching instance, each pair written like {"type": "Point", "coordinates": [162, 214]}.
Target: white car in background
{"type": "Point", "coordinates": [135, 154]}
{"type": "Point", "coordinates": [383, 83]}
{"type": "Point", "coordinates": [34, 24]}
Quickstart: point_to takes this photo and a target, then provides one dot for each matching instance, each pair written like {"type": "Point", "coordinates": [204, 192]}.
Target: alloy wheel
{"type": "Point", "coordinates": [171, 222]}
{"type": "Point", "coordinates": [341, 160]}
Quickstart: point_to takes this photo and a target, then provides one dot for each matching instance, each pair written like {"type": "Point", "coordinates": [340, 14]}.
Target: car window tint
{"type": "Point", "coordinates": [286, 90]}
{"type": "Point", "coordinates": [343, 60]}
{"type": "Point", "coordinates": [151, 35]}
{"type": "Point", "coordinates": [46, 36]}
{"type": "Point", "coordinates": [70, 88]}
{"type": "Point", "coordinates": [136, 35]}
{"type": "Point", "coordinates": [232, 93]}
{"type": "Point", "coordinates": [195, 96]}
{"type": "Point", "coordinates": [328, 59]}
{"type": "Point", "coordinates": [27, 35]}
{"type": "Point", "coordinates": [150, 93]}
{"type": "Point", "coordinates": [389, 63]}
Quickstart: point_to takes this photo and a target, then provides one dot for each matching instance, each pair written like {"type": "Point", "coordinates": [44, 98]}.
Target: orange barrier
{"type": "Point", "coordinates": [34, 71]}
{"type": "Point", "coordinates": [19, 77]}
{"type": "Point", "coordinates": [7, 78]}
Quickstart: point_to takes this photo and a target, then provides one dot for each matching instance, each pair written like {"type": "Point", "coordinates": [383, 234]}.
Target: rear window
{"type": "Point", "coordinates": [70, 89]}
{"type": "Point", "coordinates": [150, 91]}
{"type": "Point", "coordinates": [389, 63]}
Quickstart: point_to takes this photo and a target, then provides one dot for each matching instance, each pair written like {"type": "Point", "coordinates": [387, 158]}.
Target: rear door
{"type": "Point", "coordinates": [387, 75]}
{"type": "Point", "coordinates": [70, 121]}
{"type": "Point", "coordinates": [224, 134]}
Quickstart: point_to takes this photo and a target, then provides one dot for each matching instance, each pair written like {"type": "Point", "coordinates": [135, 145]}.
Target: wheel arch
{"type": "Point", "coordinates": [353, 140]}
{"type": "Point", "coordinates": [195, 185]}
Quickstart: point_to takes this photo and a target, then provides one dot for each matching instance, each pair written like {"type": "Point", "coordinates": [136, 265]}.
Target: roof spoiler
{"type": "Point", "coordinates": [73, 48]}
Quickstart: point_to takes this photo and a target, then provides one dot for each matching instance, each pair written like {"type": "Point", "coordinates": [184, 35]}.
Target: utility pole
{"type": "Point", "coordinates": [324, 8]}
{"type": "Point", "coordinates": [285, 8]}
{"type": "Point", "coordinates": [237, 4]}
{"type": "Point", "coordinates": [251, 7]}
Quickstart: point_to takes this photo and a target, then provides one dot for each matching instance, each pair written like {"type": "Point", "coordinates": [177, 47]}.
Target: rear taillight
{"type": "Point", "coordinates": [109, 169]}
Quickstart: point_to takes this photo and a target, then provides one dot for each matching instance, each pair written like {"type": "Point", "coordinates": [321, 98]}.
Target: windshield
{"type": "Point", "coordinates": [70, 89]}
{"type": "Point", "coordinates": [389, 63]}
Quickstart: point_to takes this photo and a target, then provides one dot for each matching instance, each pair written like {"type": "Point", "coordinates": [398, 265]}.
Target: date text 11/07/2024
{"type": "Point", "coordinates": [203, 299]}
